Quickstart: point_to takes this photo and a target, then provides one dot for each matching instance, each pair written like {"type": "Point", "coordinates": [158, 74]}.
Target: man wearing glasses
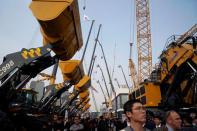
{"type": "Point", "coordinates": [136, 115]}
{"type": "Point", "coordinates": [77, 126]}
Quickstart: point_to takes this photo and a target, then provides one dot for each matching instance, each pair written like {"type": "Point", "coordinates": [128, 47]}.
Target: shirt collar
{"type": "Point", "coordinates": [157, 126]}
{"type": "Point", "coordinates": [169, 128]}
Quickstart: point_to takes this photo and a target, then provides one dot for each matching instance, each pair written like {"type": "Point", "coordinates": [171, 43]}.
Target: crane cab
{"type": "Point", "coordinates": [148, 93]}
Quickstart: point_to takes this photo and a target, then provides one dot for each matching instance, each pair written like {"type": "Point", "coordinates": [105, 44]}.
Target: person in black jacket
{"type": "Point", "coordinates": [187, 123]}
{"type": "Point", "coordinates": [102, 125]}
{"type": "Point", "coordinates": [157, 122]}
{"type": "Point", "coordinates": [119, 124]}
{"type": "Point", "coordinates": [67, 124]}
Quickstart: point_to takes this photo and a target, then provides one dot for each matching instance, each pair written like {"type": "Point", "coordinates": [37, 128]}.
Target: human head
{"type": "Point", "coordinates": [55, 117]}
{"type": "Point", "coordinates": [173, 119]}
{"type": "Point", "coordinates": [76, 120]}
{"type": "Point", "coordinates": [101, 117]}
{"type": "Point", "coordinates": [193, 115]}
{"type": "Point", "coordinates": [157, 120]}
{"type": "Point", "coordinates": [195, 120]}
{"type": "Point", "coordinates": [187, 121]}
{"type": "Point", "coordinates": [135, 111]}
{"type": "Point", "coordinates": [59, 120]}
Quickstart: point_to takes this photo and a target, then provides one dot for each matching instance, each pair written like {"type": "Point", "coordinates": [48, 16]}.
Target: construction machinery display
{"type": "Point", "coordinates": [172, 84]}
{"type": "Point", "coordinates": [61, 30]}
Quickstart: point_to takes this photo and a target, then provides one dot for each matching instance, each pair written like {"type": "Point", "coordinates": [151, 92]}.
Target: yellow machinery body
{"type": "Point", "coordinates": [84, 103]}
{"type": "Point", "coordinates": [84, 95]}
{"type": "Point", "coordinates": [87, 106]}
{"type": "Point", "coordinates": [59, 21]}
{"type": "Point", "coordinates": [147, 93]}
{"type": "Point", "coordinates": [72, 71]}
{"type": "Point", "coordinates": [83, 84]}
{"type": "Point", "coordinates": [173, 83]}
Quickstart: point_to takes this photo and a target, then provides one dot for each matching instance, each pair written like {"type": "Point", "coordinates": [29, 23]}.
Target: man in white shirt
{"type": "Point", "coordinates": [157, 121]}
{"type": "Point", "coordinates": [76, 126]}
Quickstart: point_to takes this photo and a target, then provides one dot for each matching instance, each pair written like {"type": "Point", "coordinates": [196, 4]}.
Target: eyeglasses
{"type": "Point", "coordinates": [139, 108]}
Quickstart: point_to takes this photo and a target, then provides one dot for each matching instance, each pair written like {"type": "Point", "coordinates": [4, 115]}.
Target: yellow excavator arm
{"type": "Point", "coordinates": [60, 22]}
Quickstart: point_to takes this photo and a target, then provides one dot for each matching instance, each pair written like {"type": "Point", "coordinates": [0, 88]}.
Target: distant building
{"type": "Point", "coordinates": [103, 108]}
{"type": "Point", "coordinates": [94, 114]}
{"type": "Point", "coordinates": [123, 86]}
{"type": "Point", "coordinates": [38, 87]}
{"type": "Point", "coordinates": [64, 96]}
{"type": "Point", "coordinates": [122, 97]}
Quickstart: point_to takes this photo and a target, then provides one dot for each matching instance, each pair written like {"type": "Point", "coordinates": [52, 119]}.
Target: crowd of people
{"type": "Point", "coordinates": [136, 120]}
{"type": "Point", "coordinates": [172, 121]}
{"type": "Point", "coordinates": [85, 124]}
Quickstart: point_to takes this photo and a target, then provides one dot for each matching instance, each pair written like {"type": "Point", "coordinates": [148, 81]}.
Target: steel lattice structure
{"type": "Point", "coordinates": [143, 39]}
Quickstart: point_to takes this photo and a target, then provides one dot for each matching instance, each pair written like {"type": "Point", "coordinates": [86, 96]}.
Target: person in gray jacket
{"type": "Point", "coordinates": [136, 114]}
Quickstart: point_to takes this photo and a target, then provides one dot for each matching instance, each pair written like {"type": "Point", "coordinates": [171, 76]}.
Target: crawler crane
{"type": "Point", "coordinates": [173, 83]}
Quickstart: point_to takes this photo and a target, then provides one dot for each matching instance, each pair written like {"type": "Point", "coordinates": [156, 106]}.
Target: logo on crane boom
{"type": "Point", "coordinates": [31, 52]}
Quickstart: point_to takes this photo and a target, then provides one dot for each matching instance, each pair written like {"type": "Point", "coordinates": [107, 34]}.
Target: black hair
{"type": "Point", "coordinates": [129, 105]}
{"type": "Point", "coordinates": [158, 117]}
{"type": "Point", "coordinates": [76, 116]}
{"type": "Point", "coordinates": [188, 120]}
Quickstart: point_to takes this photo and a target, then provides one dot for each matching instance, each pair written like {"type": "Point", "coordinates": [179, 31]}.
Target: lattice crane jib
{"type": "Point", "coordinates": [143, 39]}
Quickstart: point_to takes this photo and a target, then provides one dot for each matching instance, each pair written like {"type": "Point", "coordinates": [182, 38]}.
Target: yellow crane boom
{"type": "Point", "coordinates": [59, 21]}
